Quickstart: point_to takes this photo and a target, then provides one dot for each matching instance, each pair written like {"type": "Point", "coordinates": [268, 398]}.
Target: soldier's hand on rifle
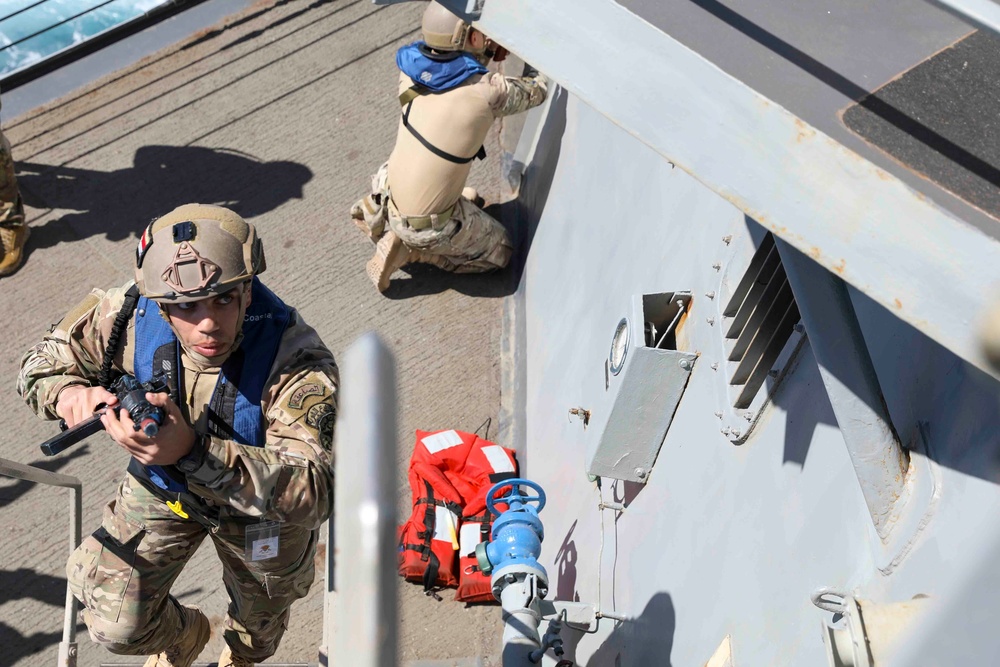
{"type": "Point", "coordinates": [77, 402]}
{"type": "Point", "coordinates": [174, 439]}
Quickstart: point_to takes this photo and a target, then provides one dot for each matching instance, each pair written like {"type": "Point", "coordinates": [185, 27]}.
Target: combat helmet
{"type": "Point", "coordinates": [444, 31]}
{"type": "Point", "coordinates": [195, 251]}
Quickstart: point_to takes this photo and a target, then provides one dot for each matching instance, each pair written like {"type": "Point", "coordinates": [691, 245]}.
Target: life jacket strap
{"type": "Point", "coordinates": [455, 508]}
{"type": "Point", "coordinates": [480, 154]}
{"type": "Point", "coordinates": [115, 338]}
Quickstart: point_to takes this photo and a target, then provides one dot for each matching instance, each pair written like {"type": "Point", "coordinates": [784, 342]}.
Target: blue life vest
{"type": "Point", "coordinates": [438, 73]}
{"type": "Point", "coordinates": [247, 368]}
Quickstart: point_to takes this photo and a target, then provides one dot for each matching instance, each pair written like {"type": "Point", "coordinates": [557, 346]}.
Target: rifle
{"type": "Point", "coordinates": [131, 397]}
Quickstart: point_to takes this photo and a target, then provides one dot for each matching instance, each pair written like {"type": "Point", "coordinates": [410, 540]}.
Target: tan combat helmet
{"type": "Point", "coordinates": [443, 30]}
{"type": "Point", "coordinates": [195, 251]}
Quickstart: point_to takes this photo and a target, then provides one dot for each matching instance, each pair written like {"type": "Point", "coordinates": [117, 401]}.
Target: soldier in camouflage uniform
{"type": "Point", "coordinates": [244, 454]}
{"type": "Point", "coordinates": [13, 231]}
{"type": "Point", "coordinates": [449, 102]}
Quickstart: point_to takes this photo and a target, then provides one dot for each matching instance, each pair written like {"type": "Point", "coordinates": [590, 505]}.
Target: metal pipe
{"type": "Point", "coordinates": [8, 468]}
{"type": "Point", "coordinates": [366, 616]}
{"type": "Point", "coordinates": [849, 376]}
{"type": "Point", "coordinates": [521, 615]}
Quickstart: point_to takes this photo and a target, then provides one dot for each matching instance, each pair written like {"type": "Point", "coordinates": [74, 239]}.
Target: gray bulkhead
{"type": "Point", "coordinates": [723, 539]}
{"type": "Point", "coordinates": [729, 535]}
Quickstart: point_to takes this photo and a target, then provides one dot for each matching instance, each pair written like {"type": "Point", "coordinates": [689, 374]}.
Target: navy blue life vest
{"type": "Point", "coordinates": [437, 72]}
{"type": "Point", "coordinates": [240, 386]}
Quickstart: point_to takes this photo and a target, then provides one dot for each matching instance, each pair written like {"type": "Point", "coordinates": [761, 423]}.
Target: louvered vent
{"type": "Point", "coordinates": [760, 318]}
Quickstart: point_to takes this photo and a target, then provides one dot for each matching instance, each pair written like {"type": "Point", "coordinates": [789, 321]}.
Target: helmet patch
{"type": "Point", "coordinates": [205, 270]}
{"type": "Point", "coordinates": [145, 240]}
{"type": "Point", "coordinates": [183, 231]}
{"type": "Point", "coordinates": [426, 76]}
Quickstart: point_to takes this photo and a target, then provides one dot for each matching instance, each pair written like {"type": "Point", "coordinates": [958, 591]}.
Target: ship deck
{"type": "Point", "coordinates": [281, 112]}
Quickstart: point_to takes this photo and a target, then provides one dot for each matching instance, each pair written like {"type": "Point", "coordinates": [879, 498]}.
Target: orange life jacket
{"type": "Point", "coordinates": [450, 472]}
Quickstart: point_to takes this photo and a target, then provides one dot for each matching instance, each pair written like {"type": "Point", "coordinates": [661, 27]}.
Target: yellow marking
{"type": "Point", "coordinates": [176, 508]}
{"type": "Point", "coordinates": [452, 532]}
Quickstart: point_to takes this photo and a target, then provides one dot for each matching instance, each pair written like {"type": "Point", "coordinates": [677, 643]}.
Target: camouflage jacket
{"type": "Point", "coordinates": [290, 479]}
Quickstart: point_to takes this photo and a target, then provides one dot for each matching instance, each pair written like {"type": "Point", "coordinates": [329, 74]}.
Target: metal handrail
{"type": "Point", "coordinates": [8, 468]}
{"type": "Point", "coordinates": [56, 25]}
{"type": "Point", "coordinates": [22, 10]}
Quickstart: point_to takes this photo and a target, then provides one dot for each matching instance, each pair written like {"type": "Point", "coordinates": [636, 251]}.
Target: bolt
{"type": "Point", "coordinates": [748, 416]}
{"type": "Point", "coordinates": [736, 433]}
{"type": "Point", "coordinates": [686, 364]}
{"type": "Point", "coordinates": [799, 327]}
{"type": "Point", "coordinates": [641, 473]}
{"type": "Point", "coordinates": [716, 265]}
{"type": "Point", "coordinates": [496, 591]}
{"type": "Point", "coordinates": [710, 320]}
{"type": "Point", "coordinates": [727, 238]}
{"type": "Point", "coordinates": [719, 415]}
{"type": "Point", "coordinates": [142, 312]}
{"type": "Point", "coordinates": [710, 295]}
{"type": "Point", "coordinates": [715, 366]}
{"type": "Point", "coordinates": [510, 578]}
{"type": "Point", "coordinates": [724, 430]}
{"type": "Point", "coordinates": [543, 591]}
{"type": "Point", "coordinates": [773, 372]}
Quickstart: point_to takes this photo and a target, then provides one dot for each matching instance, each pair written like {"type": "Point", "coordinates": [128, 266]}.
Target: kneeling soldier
{"type": "Point", "coordinates": [243, 456]}
{"type": "Point", "coordinates": [449, 102]}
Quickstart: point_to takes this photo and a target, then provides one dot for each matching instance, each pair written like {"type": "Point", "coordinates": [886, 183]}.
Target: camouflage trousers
{"type": "Point", "coordinates": [11, 208]}
{"type": "Point", "coordinates": [123, 573]}
{"type": "Point", "coordinates": [470, 241]}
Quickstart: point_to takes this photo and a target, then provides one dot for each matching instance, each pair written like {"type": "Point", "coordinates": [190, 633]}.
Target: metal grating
{"type": "Point", "coordinates": [762, 314]}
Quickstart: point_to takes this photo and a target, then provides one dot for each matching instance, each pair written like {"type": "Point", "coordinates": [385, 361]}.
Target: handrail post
{"type": "Point", "coordinates": [364, 614]}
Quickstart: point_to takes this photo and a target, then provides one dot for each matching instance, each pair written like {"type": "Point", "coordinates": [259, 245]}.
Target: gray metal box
{"type": "Point", "coordinates": [647, 388]}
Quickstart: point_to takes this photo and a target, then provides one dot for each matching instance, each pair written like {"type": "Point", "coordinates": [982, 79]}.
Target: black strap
{"type": "Point", "coordinates": [454, 507]}
{"type": "Point", "coordinates": [430, 518]}
{"type": "Point", "coordinates": [480, 154]}
{"type": "Point", "coordinates": [419, 548]}
{"type": "Point", "coordinates": [204, 514]}
{"type": "Point", "coordinates": [431, 573]}
{"type": "Point", "coordinates": [496, 477]}
{"type": "Point", "coordinates": [115, 338]}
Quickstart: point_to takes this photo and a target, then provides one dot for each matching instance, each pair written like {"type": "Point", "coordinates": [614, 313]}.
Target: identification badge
{"type": "Point", "coordinates": [262, 541]}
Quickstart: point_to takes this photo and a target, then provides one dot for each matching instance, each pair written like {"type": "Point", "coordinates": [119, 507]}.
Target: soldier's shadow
{"type": "Point", "coordinates": [118, 204]}
{"type": "Point", "coordinates": [426, 279]}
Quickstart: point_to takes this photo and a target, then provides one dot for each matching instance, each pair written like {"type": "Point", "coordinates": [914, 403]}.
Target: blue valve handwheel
{"type": "Point", "coordinates": [514, 494]}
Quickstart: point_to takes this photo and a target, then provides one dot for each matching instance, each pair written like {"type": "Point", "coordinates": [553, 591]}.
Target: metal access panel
{"type": "Point", "coordinates": [648, 380]}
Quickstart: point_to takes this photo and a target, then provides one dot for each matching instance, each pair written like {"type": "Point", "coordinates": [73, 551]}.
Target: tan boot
{"type": "Point", "coordinates": [227, 659]}
{"type": "Point", "coordinates": [418, 257]}
{"type": "Point", "coordinates": [194, 636]}
{"type": "Point", "coordinates": [390, 254]}
{"type": "Point", "coordinates": [12, 239]}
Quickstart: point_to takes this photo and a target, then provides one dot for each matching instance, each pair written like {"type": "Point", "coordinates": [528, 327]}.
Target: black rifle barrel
{"type": "Point", "coordinates": [70, 437]}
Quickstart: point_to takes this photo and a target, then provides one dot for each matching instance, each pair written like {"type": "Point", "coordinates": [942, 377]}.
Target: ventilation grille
{"type": "Point", "coordinates": [760, 317]}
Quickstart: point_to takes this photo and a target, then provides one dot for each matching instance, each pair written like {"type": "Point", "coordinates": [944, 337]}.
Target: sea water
{"type": "Point", "coordinates": [45, 17]}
